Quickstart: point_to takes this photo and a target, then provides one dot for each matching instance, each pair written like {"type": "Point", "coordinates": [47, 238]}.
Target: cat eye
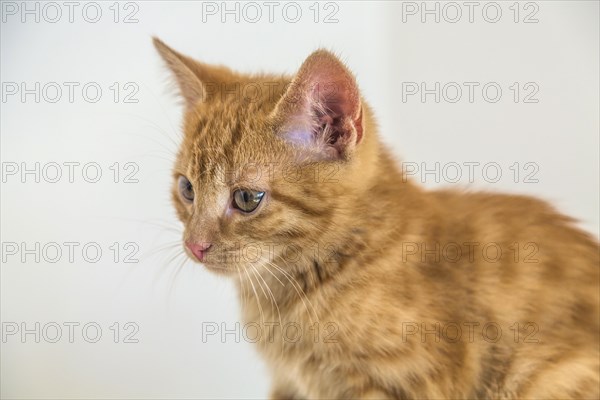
{"type": "Point", "coordinates": [247, 200]}
{"type": "Point", "coordinates": [186, 189]}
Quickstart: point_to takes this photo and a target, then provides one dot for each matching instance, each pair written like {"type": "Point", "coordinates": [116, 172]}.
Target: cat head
{"type": "Point", "coordinates": [270, 167]}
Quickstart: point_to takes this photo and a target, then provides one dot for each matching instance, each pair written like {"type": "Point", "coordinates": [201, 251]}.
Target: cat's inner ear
{"type": "Point", "coordinates": [321, 111]}
{"type": "Point", "coordinates": [186, 72]}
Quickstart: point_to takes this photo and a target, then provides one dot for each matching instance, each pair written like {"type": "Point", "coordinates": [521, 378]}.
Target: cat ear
{"type": "Point", "coordinates": [186, 73]}
{"type": "Point", "coordinates": [321, 111]}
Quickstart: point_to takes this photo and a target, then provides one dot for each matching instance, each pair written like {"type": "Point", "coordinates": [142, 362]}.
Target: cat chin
{"type": "Point", "coordinates": [216, 267]}
{"type": "Point", "coordinates": [223, 271]}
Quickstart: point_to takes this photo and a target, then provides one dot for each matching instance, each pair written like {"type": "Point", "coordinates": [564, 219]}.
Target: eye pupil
{"type": "Point", "coordinates": [186, 189]}
{"type": "Point", "coordinates": [247, 200]}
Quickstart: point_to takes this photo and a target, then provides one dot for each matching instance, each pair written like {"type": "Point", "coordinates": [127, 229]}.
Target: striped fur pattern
{"type": "Point", "coordinates": [363, 284]}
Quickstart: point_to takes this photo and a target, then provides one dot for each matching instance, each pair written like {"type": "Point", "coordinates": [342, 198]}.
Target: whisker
{"type": "Point", "coordinates": [274, 301]}
{"type": "Point", "coordinates": [301, 294]}
{"type": "Point", "coordinates": [177, 269]}
{"type": "Point", "coordinates": [262, 317]}
{"type": "Point", "coordinates": [165, 268]}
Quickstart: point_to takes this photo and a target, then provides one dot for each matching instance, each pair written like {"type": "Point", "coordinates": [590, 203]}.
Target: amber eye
{"type": "Point", "coordinates": [186, 189]}
{"type": "Point", "coordinates": [247, 200]}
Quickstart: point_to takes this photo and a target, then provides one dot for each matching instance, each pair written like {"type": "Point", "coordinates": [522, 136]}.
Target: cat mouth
{"type": "Point", "coordinates": [218, 268]}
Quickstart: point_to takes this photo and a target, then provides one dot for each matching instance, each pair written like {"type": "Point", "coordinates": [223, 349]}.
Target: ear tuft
{"type": "Point", "coordinates": [321, 109]}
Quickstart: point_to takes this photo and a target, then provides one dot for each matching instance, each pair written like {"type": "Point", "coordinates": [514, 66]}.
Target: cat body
{"type": "Point", "coordinates": [360, 283]}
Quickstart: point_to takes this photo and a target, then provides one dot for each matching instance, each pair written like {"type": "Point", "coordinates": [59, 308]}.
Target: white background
{"type": "Point", "coordinates": [559, 133]}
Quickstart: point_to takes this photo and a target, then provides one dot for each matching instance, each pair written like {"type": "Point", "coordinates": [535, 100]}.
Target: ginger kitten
{"type": "Point", "coordinates": [360, 283]}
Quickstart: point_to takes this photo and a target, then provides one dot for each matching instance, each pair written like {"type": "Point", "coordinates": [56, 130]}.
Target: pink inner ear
{"type": "Point", "coordinates": [301, 137]}
{"type": "Point", "coordinates": [323, 107]}
{"type": "Point", "coordinates": [337, 102]}
{"type": "Point", "coordinates": [337, 97]}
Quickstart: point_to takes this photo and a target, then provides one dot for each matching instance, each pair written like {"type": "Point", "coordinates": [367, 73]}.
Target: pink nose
{"type": "Point", "coordinates": [198, 249]}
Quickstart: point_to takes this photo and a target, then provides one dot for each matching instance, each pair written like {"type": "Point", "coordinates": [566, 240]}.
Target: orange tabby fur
{"type": "Point", "coordinates": [359, 289]}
